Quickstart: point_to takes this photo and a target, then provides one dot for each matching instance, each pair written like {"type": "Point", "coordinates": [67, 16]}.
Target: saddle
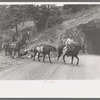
{"type": "Point", "coordinates": [67, 49]}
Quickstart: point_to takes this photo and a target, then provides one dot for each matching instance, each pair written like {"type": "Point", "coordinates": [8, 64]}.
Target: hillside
{"type": "Point", "coordinates": [74, 26]}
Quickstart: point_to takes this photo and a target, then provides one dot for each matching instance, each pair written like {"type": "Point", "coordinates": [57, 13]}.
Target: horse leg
{"type": "Point", "coordinates": [5, 52]}
{"type": "Point", "coordinates": [49, 57]}
{"type": "Point", "coordinates": [34, 55]}
{"type": "Point", "coordinates": [43, 57]}
{"type": "Point", "coordinates": [18, 53]}
{"type": "Point", "coordinates": [77, 60]}
{"type": "Point", "coordinates": [38, 56]}
{"type": "Point", "coordinates": [10, 53]}
{"type": "Point", "coordinates": [14, 53]}
{"type": "Point", "coordinates": [72, 59]}
{"type": "Point", "coordinates": [59, 54]}
{"type": "Point", "coordinates": [64, 58]}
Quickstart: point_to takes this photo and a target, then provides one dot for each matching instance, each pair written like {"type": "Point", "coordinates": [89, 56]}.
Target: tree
{"type": "Point", "coordinates": [33, 14]}
{"type": "Point", "coordinates": [12, 18]}
{"type": "Point", "coordinates": [43, 16]}
{"type": "Point", "coordinates": [75, 8]}
{"type": "Point", "coordinates": [47, 14]}
{"type": "Point", "coordinates": [23, 9]}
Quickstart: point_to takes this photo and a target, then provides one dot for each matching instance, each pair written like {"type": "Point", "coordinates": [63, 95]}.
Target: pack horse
{"type": "Point", "coordinates": [44, 50]}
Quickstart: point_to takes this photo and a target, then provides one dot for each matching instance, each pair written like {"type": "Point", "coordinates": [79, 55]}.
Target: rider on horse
{"type": "Point", "coordinates": [13, 38]}
{"type": "Point", "coordinates": [69, 42]}
{"type": "Point", "coordinates": [69, 45]}
{"type": "Point", "coordinates": [26, 35]}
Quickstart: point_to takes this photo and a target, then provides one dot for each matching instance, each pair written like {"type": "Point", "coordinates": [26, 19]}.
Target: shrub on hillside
{"type": "Point", "coordinates": [75, 8]}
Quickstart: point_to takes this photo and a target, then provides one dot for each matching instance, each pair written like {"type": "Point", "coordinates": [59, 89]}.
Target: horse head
{"type": "Point", "coordinates": [54, 49]}
{"type": "Point", "coordinates": [82, 47]}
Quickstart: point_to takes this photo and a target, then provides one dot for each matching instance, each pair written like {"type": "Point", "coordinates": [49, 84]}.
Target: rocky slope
{"type": "Point", "coordinates": [85, 19]}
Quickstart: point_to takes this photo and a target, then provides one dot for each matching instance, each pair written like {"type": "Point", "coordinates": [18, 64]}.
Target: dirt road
{"type": "Point", "coordinates": [26, 69]}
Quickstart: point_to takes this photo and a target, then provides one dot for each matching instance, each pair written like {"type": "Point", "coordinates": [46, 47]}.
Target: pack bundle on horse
{"type": "Point", "coordinates": [45, 50]}
{"type": "Point", "coordinates": [25, 52]}
{"type": "Point", "coordinates": [72, 52]}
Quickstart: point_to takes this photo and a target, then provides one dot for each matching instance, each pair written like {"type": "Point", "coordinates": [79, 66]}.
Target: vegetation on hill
{"type": "Point", "coordinates": [49, 23]}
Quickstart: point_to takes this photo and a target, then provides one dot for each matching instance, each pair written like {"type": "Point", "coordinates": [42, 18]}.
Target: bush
{"type": "Point", "coordinates": [75, 8]}
{"type": "Point", "coordinates": [55, 20]}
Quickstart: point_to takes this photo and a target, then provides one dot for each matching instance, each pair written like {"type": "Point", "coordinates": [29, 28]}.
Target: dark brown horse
{"type": "Point", "coordinates": [44, 50]}
{"type": "Point", "coordinates": [7, 48]}
{"type": "Point", "coordinates": [73, 53]}
{"type": "Point", "coordinates": [25, 38]}
{"type": "Point", "coordinates": [16, 46]}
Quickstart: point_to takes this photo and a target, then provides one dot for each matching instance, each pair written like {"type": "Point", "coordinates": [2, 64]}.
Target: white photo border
{"type": "Point", "coordinates": [49, 88]}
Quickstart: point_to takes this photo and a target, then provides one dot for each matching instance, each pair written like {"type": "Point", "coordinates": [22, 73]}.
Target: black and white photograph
{"type": "Point", "coordinates": [57, 41]}
{"type": "Point", "coordinates": [49, 49]}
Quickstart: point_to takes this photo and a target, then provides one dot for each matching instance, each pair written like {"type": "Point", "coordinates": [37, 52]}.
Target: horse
{"type": "Point", "coordinates": [6, 47]}
{"type": "Point", "coordinates": [25, 38]}
{"type": "Point", "coordinates": [73, 52]}
{"type": "Point", "coordinates": [44, 50]}
{"type": "Point", "coordinates": [16, 46]}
